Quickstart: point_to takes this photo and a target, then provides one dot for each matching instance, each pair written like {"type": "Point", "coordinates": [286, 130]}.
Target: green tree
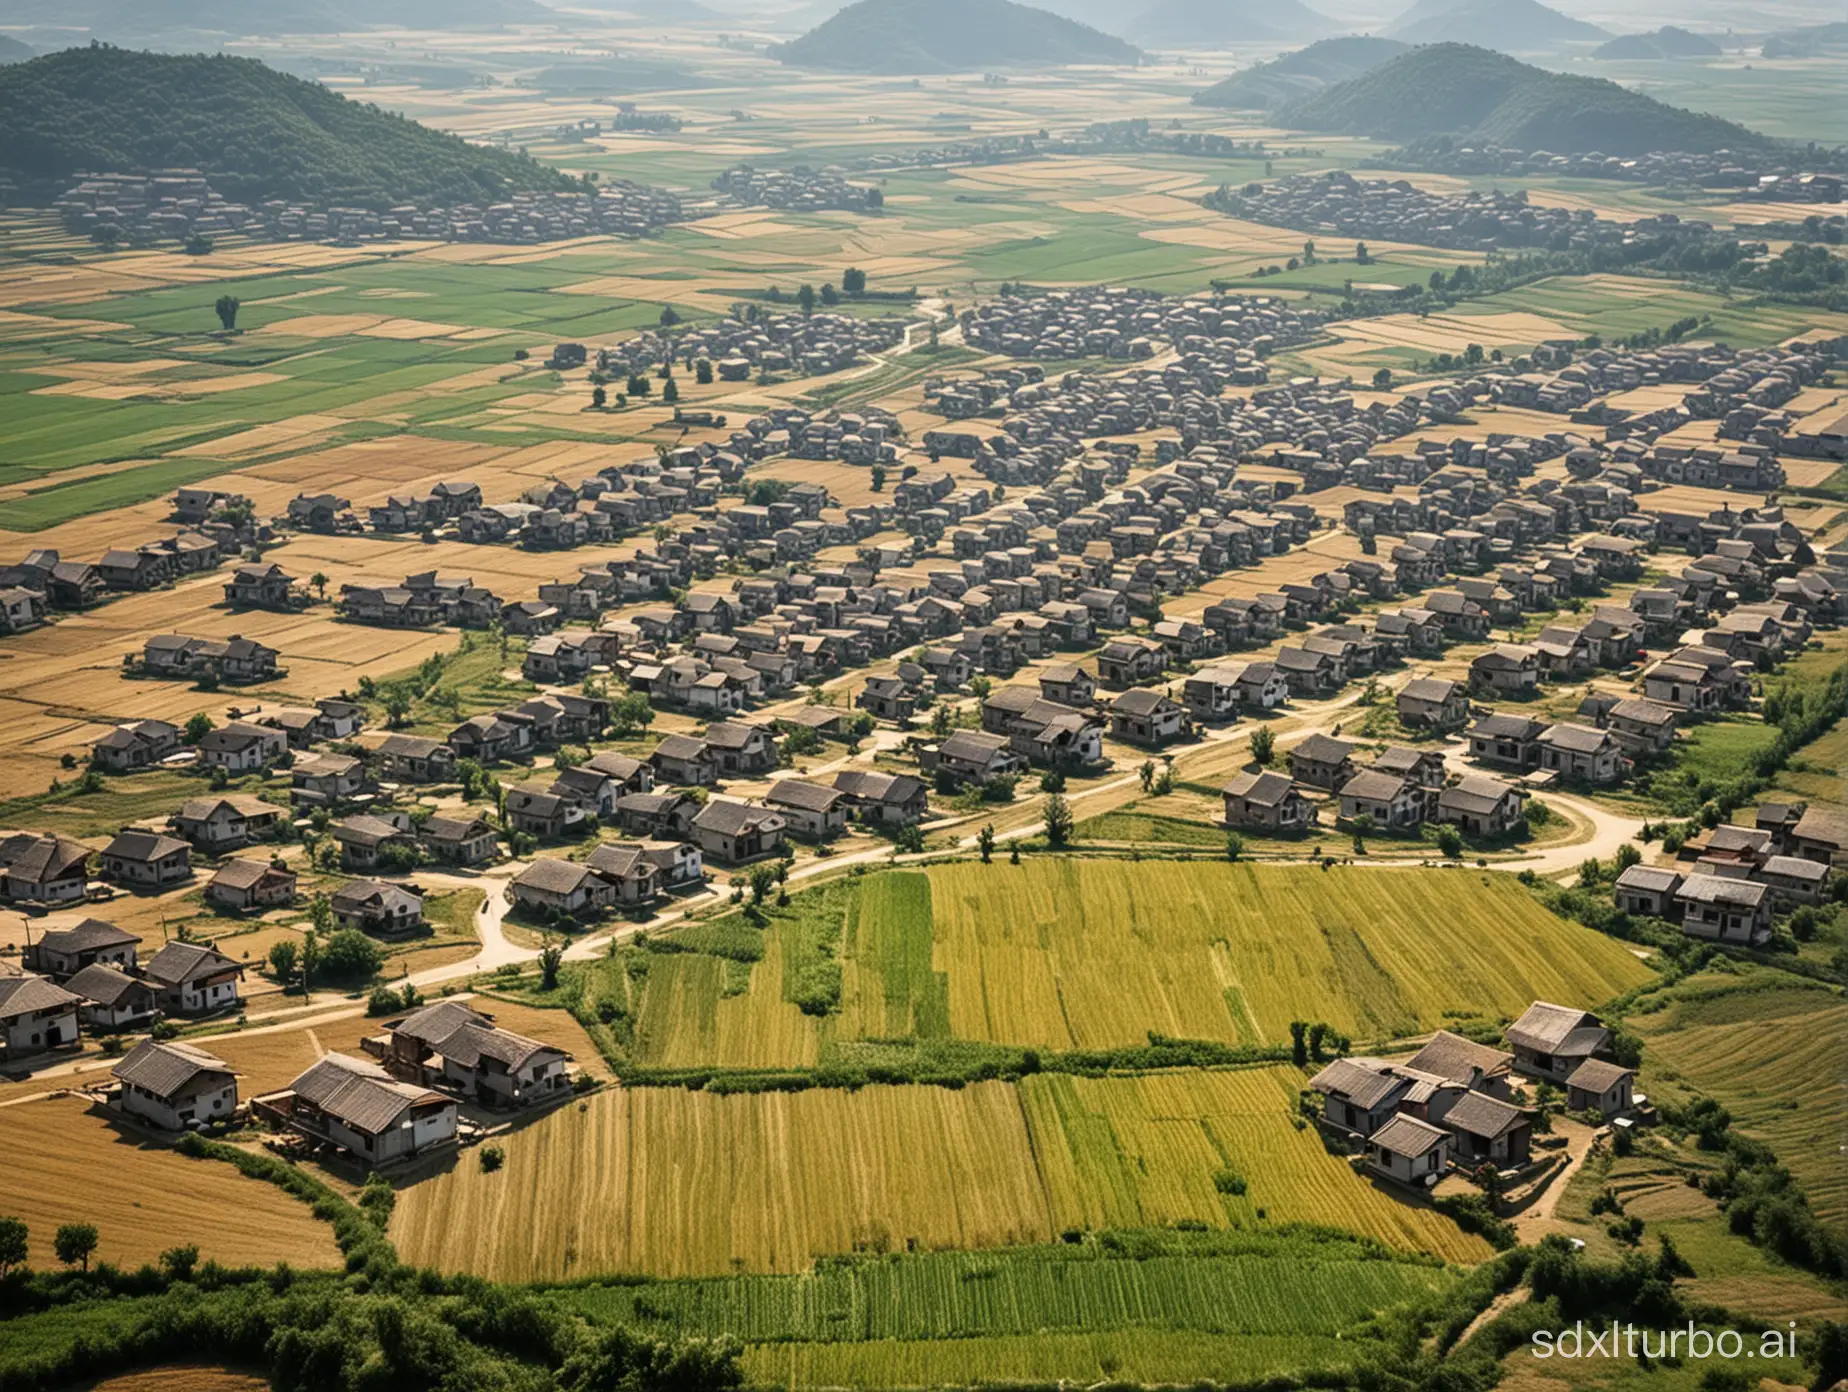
{"type": "Point", "coordinates": [319, 582]}
{"type": "Point", "coordinates": [1263, 746]}
{"type": "Point", "coordinates": [1363, 827]}
{"type": "Point", "coordinates": [1058, 821]}
{"type": "Point", "coordinates": [198, 727]}
{"type": "Point", "coordinates": [283, 956]}
{"type": "Point", "coordinates": [351, 956]}
{"type": "Point", "coordinates": [15, 1245]}
{"type": "Point", "coordinates": [1235, 845]}
{"type": "Point", "coordinates": [985, 842]}
{"type": "Point", "coordinates": [702, 372]}
{"type": "Point", "coordinates": [598, 398]}
{"type": "Point", "coordinates": [1449, 842]}
{"type": "Point", "coordinates": [805, 297]}
{"type": "Point", "coordinates": [670, 391]}
{"type": "Point", "coordinates": [761, 878]}
{"type": "Point", "coordinates": [551, 958]}
{"type": "Point", "coordinates": [879, 478]}
{"type": "Point", "coordinates": [397, 706]}
{"type": "Point", "coordinates": [178, 1263]}
{"type": "Point", "coordinates": [1299, 1043]}
{"type": "Point", "coordinates": [1362, 256]}
{"type": "Point", "coordinates": [669, 316]}
{"type": "Point", "coordinates": [75, 1244]}
{"type": "Point", "coordinates": [199, 245]}
{"type": "Point", "coordinates": [1382, 380]}
{"type": "Point", "coordinates": [631, 713]}
{"type": "Point", "coordinates": [226, 309]}
{"type": "Point", "coordinates": [853, 281]}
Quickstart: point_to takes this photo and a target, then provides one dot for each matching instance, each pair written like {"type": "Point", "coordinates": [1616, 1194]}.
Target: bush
{"type": "Point", "coordinates": [1229, 1181]}
{"type": "Point", "coordinates": [351, 956]}
{"type": "Point", "coordinates": [492, 1158]}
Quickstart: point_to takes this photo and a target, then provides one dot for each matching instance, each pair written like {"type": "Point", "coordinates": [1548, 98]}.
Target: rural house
{"type": "Point", "coordinates": [175, 1085]}
{"type": "Point", "coordinates": [358, 1107]}
{"type": "Point", "coordinates": [241, 885]}
{"type": "Point", "coordinates": [63, 952]}
{"type": "Point", "coordinates": [373, 906]}
{"type": "Point", "coordinates": [1551, 1041]}
{"type": "Point", "coordinates": [35, 1015]}
{"type": "Point", "coordinates": [112, 999]}
{"type": "Point", "coordinates": [736, 831]}
{"type": "Point", "coordinates": [192, 979]}
{"type": "Point", "coordinates": [1267, 801]}
{"type": "Point", "coordinates": [1604, 1088]}
{"type": "Point", "coordinates": [146, 860]}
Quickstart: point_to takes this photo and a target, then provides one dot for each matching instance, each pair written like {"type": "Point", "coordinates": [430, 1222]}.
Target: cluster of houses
{"type": "Point", "coordinates": [44, 582]}
{"type": "Point", "coordinates": [1749, 173]}
{"type": "Point", "coordinates": [1337, 204]}
{"type": "Point", "coordinates": [180, 204]}
{"type": "Point", "coordinates": [1129, 325]}
{"type": "Point", "coordinates": [1452, 1104]}
{"type": "Point", "coordinates": [767, 341]}
{"type": "Point", "coordinates": [401, 1101]}
{"type": "Point", "coordinates": [1730, 881]}
{"type": "Point", "coordinates": [90, 976]}
{"type": "Point", "coordinates": [798, 189]}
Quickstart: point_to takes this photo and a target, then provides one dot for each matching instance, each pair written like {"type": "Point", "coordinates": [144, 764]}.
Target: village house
{"type": "Point", "coordinates": [250, 884]}
{"type": "Point", "coordinates": [373, 906]}
{"type": "Point", "coordinates": [1725, 909]}
{"type": "Point", "coordinates": [1794, 881]}
{"type": "Point", "coordinates": [137, 745]}
{"type": "Point", "coordinates": [192, 979]}
{"type": "Point", "coordinates": [1322, 761]}
{"type": "Point", "coordinates": [175, 1085]}
{"type": "Point", "coordinates": [1551, 1041]}
{"type": "Point", "coordinates": [263, 585]}
{"type": "Point", "coordinates": [225, 821]}
{"type": "Point", "coordinates": [550, 886]}
{"type": "Point", "coordinates": [35, 1015]}
{"type": "Point", "coordinates": [971, 757]}
{"type": "Point", "coordinates": [1127, 661]}
{"type": "Point", "coordinates": [1641, 726]}
{"type": "Point", "coordinates": [1482, 806]}
{"type": "Point", "coordinates": [1431, 703]}
{"type": "Point", "coordinates": [810, 810]}
{"type": "Point", "coordinates": [1604, 1088]}
{"type": "Point", "coordinates": [327, 780]}
{"type": "Point", "coordinates": [146, 860]}
{"type": "Point", "coordinates": [63, 952]}
{"type": "Point", "coordinates": [112, 1000]}
{"type": "Point", "coordinates": [740, 750]}
{"type": "Point", "coordinates": [545, 815]}
{"type": "Point", "coordinates": [884, 798]}
{"type": "Point", "coordinates": [416, 758]}
{"type": "Point", "coordinates": [367, 841]}
{"type": "Point", "coordinates": [683, 761]}
{"type": "Point", "coordinates": [1647, 890]}
{"type": "Point", "coordinates": [1267, 801]}
{"type": "Point", "coordinates": [1512, 669]}
{"type": "Point", "coordinates": [1820, 834]}
{"type": "Point", "coordinates": [464, 1051]}
{"type": "Point", "coordinates": [1507, 741]}
{"type": "Point", "coordinates": [37, 868]}
{"type": "Point", "coordinates": [1486, 1130]}
{"type": "Point", "coordinates": [1146, 717]}
{"type": "Point", "coordinates": [1582, 753]}
{"type": "Point", "coordinates": [1477, 1067]}
{"type": "Point", "coordinates": [887, 698]}
{"type": "Point", "coordinates": [1068, 684]}
{"type": "Point", "coordinates": [460, 840]}
{"type": "Point", "coordinates": [1391, 801]}
{"type": "Point", "coordinates": [242, 747]}
{"type": "Point", "coordinates": [736, 831]}
{"type": "Point", "coordinates": [356, 1106]}
{"type": "Point", "coordinates": [1410, 1151]}
{"type": "Point", "coordinates": [1359, 1095]}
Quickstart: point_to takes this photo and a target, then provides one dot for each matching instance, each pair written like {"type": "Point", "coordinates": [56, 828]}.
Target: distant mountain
{"type": "Point", "coordinates": [168, 22]}
{"type": "Point", "coordinates": [254, 132]}
{"type": "Point", "coordinates": [13, 51]}
{"type": "Point", "coordinates": [1474, 94]}
{"type": "Point", "coordinates": [1219, 23]}
{"type": "Point", "coordinates": [1301, 73]}
{"type": "Point", "coordinates": [931, 36]}
{"type": "Point", "coordinates": [1109, 16]}
{"type": "Point", "coordinates": [1508, 26]}
{"type": "Point", "coordinates": [1667, 42]}
{"type": "Point", "coordinates": [1807, 42]}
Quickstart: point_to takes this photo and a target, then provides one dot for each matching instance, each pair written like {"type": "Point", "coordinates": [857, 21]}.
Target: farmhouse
{"type": "Point", "coordinates": [459, 840]}
{"type": "Point", "coordinates": [1821, 835]}
{"type": "Point", "coordinates": [1146, 717]}
{"type": "Point", "coordinates": [192, 979]}
{"type": "Point", "coordinates": [43, 869]}
{"type": "Point", "coordinates": [1646, 889]}
{"type": "Point", "coordinates": [1359, 1095]}
{"type": "Point", "coordinates": [457, 1048]}
{"type": "Point", "coordinates": [552, 886]}
{"type": "Point", "coordinates": [373, 906]}
{"type": "Point", "coordinates": [1604, 1088]}
{"type": "Point", "coordinates": [736, 831]}
{"type": "Point", "coordinates": [546, 815]}
{"type": "Point", "coordinates": [366, 840]}
{"type": "Point", "coordinates": [1388, 799]}
{"type": "Point", "coordinates": [1486, 1129]}
{"type": "Point", "coordinates": [1583, 753]}
{"type": "Point", "coordinates": [1267, 801]}
{"type": "Point", "coordinates": [1481, 805]}
{"type": "Point", "coordinates": [1323, 762]}
{"type": "Point", "coordinates": [140, 744]}
{"type": "Point", "coordinates": [1551, 1041]}
{"type": "Point", "coordinates": [1410, 1151]}
{"type": "Point", "coordinates": [242, 747]}
{"type": "Point", "coordinates": [417, 758]}
{"type": "Point", "coordinates": [1510, 668]}
{"type": "Point", "coordinates": [885, 798]}
{"type": "Point", "coordinates": [112, 999]}
{"type": "Point", "coordinates": [810, 809]}
{"type": "Point", "coordinates": [1458, 1060]}
{"type": "Point", "coordinates": [250, 884]}
{"type": "Point", "coordinates": [627, 866]}
{"type": "Point", "coordinates": [1509, 741]}
{"type": "Point", "coordinates": [356, 1106]}
{"type": "Point", "coordinates": [1431, 703]}
{"type": "Point", "coordinates": [174, 1085]}
{"type": "Point", "coordinates": [1725, 909]}
{"type": "Point", "coordinates": [684, 762]}
{"type": "Point", "coordinates": [35, 1015]}
{"type": "Point", "coordinates": [223, 823]}
{"type": "Point", "coordinates": [146, 860]}
{"type": "Point", "coordinates": [63, 952]}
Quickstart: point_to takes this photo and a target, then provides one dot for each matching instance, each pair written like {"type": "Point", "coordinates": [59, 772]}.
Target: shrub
{"type": "Point", "coordinates": [492, 1158]}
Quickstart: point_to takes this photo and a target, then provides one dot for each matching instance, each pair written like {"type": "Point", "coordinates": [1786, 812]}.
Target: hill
{"type": "Point", "coordinates": [928, 36]}
{"type": "Point", "coordinates": [255, 132]}
{"type": "Point", "coordinates": [1456, 90]}
{"type": "Point", "coordinates": [168, 22]}
{"type": "Point", "coordinates": [1509, 26]}
{"type": "Point", "coordinates": [13, 51]}
{"type": "Point", "coordinates": [1219, 23]}
{"type": "Point", "coordinates": [1667, 42]}
{"type": "Point", "coordinates": [1300, 74]}
{"type": "Point", "coordinates": [1807, 42]}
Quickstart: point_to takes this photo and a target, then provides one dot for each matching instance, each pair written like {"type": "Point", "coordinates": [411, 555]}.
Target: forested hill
{"type": "Point", "coordinates": [256, 133]}
{"type": "Point", "coordinates": [927, 36]}
{"type": "Point", "coordinates": [1301, 73]}
{"type": "Point", "coordinates": [1455, 90]}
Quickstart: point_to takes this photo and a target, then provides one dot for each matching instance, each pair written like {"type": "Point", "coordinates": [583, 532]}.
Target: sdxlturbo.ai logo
{"type": "Point", "coordinates": [1619, 1340]}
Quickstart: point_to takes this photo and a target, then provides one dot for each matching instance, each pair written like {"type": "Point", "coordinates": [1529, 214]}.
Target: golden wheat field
{"type": "Point", "coordinates": [670, 1182]}
{"type": "Point", "coordinates": [65, 1165]}
{"type": "Point", "coordinates": [1079, 954]}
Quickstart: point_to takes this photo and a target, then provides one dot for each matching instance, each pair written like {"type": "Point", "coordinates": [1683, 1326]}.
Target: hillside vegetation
{"type": "Point", "coordinates": [927, 36]}
{"type": "Point", "coordinates": [1669, 41]}
{"type": "Point", "coordinates": [1471, 93]}
{"type": "Point", "coordinates": [255, 132]}
{"type": "Point", "coordinates": [1216, 23]}
{"type": "Point", "coordinates": [1508, 25]}
{"type": "Point", "coordinates": [1300, 74]}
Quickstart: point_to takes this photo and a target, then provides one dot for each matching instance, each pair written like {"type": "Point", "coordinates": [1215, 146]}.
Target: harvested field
{"type": "Point", "coordinates": [183, 1377]}
{"type": "Point", "coordinates": [152, 1199]}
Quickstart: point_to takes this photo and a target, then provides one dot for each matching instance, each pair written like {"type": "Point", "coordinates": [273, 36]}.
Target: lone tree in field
{"type": "Point", "coordinates": [282, 959]}
{"type": "Point", "coordinates": [806, 298]}
{"type": "Point", "coordinates": [670, 391]}
{"type": "Point", "coordinates": [1263, 745]}
{"type": "Point", "coordinates": [598, 398]}
{"type": "Point", "coordinates": [853, 281]}
{"type": "Point", "coordinates": [985, 842]}
{"type": "Point", "coordinates": [319, 581]}
{"type": "Point", "coordinates": [1450, 843]}
{"type": "Point", "coordinates": [1235, 845]}
{"type": "Point", "coordinates": [1058, 821]}
{"type": "Point", "coordinates": [13, 1245]}
{"type": "Point", "coordinates": [198, 726]}
{"type": "Point", "coordinates": [669, 316]}
{"type": "Point", "coordinates": [551, 958]}
{"type": "Point", "coordinates": [75, 1244]}
{"type": "Point", "coordinates": [226, 308]}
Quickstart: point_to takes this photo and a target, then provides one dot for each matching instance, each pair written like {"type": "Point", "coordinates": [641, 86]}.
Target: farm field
{"type": "Point", "coordinates": [64, 1165]}
{"type": "Point", "coordinates": [670, 1182]}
